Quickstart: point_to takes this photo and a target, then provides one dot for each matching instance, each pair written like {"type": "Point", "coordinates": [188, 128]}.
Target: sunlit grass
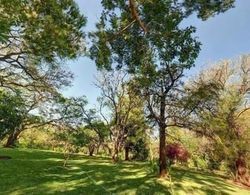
{"type": "Point", "coordinates": [41, 172]}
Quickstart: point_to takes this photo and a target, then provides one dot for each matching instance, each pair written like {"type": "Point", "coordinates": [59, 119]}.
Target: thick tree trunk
{"type": "Point", "coordinates": [162, 134]}
{"type": "Point", "coordinates": [162, 152]}
{"type": "Point", "coordinates": [12, 139]}
{"type": "Point", "coordinates": [126, 153]}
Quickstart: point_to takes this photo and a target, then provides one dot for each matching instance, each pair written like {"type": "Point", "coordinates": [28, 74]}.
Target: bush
{"type": "Point", "coordinates": [176, 152]}
{"type": "Point", "coordinates": [140, 150]}
{"type": "Point", "coordinates": [200, 163]}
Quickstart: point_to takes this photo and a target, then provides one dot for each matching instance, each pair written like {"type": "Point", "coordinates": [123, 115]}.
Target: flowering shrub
{"type": "Point", "coordinates": [176, 152]}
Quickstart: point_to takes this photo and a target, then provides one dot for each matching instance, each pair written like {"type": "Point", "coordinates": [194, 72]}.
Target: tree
{"type": "Point", "coordinates": [120, 101]}
{"type": "Point", "coordinates": [76, 124]}
{"type": "Point", "coordinates": [11, 111]}
{"type": "Point", "coordinates": [146, 37]}
{"type": "Point", "coordinates": [30, 114]}
{"type": "Point", "coordinates": [35, 39]}
{"type": "Point", "coordinates": [137, 130]}
{"type": "Point", "coordinates": [91, 136]}
{"type": "Point", "coordinates": [223, 116]}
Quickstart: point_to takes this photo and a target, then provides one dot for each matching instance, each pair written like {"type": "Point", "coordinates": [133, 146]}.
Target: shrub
{"type": "Point", "coordinates": [176, 152]}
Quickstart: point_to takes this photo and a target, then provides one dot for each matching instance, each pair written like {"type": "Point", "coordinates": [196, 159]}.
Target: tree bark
{"type": "Point", "coordinates": [162, 152]}
{"type": "Point", "coordinates": [162, 134]}
{"type": "Point", "coordinates": [91, 150]}
{"type": "Point", "coordinates": [12, 139]}
{"type": "Point", "coordinates": [126, 153]}
{"type": "Point", "coordinates": [242, 174]}
{"type": "Point", "coordinates": [115, 154]}
{"type": "Point", "coordinates": [98, 148]}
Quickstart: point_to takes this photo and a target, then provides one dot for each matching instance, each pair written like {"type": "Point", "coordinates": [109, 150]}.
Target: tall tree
{"type": "Point", "coordinates": [147, 38]}
{"type": "Point", "coordinates": [11, 111]}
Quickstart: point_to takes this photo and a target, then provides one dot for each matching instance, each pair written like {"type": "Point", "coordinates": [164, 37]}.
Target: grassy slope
{"type": "Point", "coordinates": [40, 172]}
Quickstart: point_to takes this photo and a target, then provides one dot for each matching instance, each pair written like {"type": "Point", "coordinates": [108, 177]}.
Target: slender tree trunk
{"type": "Point", "coordinates": [12, 139]}
{"type": "Point", "coordinates": [115, 155]}
{"type": "Point", "coordinates": [66, 154]}
{"type": "Point", "coordinates": [126, 153]}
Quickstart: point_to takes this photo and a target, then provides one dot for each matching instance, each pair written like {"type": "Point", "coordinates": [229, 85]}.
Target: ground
{"type": "Point", "coordinates": [41, 172]}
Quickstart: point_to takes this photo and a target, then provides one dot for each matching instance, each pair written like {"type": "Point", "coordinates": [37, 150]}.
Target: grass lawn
{"type": "Point", "coordinates": [41, 172]}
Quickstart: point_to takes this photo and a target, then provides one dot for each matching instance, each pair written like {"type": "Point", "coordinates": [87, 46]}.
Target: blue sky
{"type": "Point", "coordinates": [224, 36]}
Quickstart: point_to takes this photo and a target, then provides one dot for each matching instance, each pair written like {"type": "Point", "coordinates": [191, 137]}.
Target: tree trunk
{"type": "Point", "coordinates": [242, 174]}
{"type": "Point", "coordinates": [115, 154]}
{"type": "Point", "coordinates": [12, 139]}
{"type": "Point", "coordinates": [109, 149]}
{"type": "Point", "coordinates": [126, 153]}
{"type": "Point", "coordinates": [162, 152]}
{"type": "Point", "coordinates": [98, 148]}
{"type": "Point", "coordinates": [162, 134]}
{"type": "Point", "coordinates": [91, 150]}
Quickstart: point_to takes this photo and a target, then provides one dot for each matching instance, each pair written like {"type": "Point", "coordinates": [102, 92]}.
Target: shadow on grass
{"type": "Point", "coordinates": [41, 172]}
{"type": "Point", "coordinates": [204, 182]}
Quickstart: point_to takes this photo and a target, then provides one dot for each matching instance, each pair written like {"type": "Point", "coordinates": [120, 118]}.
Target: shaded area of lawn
{"type": "Point", "coordinates": [41, 172]}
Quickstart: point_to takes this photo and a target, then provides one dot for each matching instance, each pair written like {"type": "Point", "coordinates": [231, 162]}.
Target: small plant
{"type": "Point", "coordinates": [153, 166]}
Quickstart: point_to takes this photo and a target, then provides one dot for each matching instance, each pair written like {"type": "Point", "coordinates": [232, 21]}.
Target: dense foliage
{"type": "Point", "coordinates": [11, 111]}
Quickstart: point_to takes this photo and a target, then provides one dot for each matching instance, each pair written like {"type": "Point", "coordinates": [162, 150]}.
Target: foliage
{"type": "Point", "coordinates": [140, 150]}
{"type": "Point", "coordinates": [11, 112]}
{"type": "Point", "coordinates": [146, 38]}
{"type": "Point", "coordinates": [39, 138]}
{"type": "Point", "coordinates": [91, 136]}
{"type": "Point", "coordinates": [121, 107]}
{"type": "Point", "coordinates": [36, 37]}
{"type": "Point", "coordinates": [209, 8]}
{"type": "Point", "coordinates": [219, 117]}
{"type": "Point", "coordinates": [46, 29]}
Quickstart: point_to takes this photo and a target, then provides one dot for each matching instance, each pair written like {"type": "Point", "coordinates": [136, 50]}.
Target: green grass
{"type": "Point", "coordinates": [41, 172]}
